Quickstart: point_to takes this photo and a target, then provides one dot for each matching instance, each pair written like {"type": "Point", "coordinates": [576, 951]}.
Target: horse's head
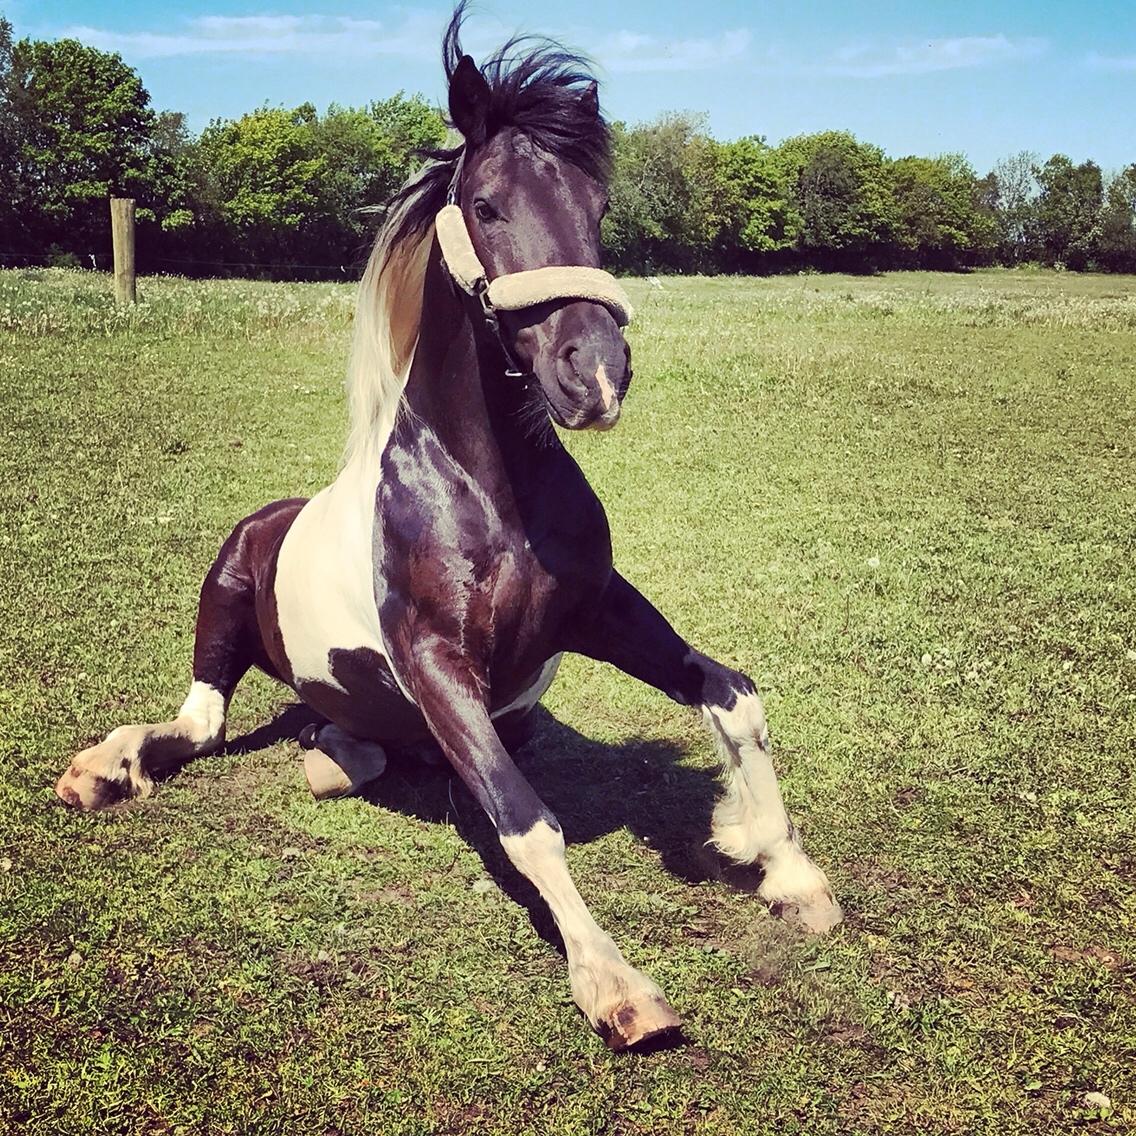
{"type": "Point", "coordinates": [532, 191]}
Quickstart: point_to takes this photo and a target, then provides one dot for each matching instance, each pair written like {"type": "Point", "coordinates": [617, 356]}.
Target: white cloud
{"type": "Point", "coordinates": [417, 35]}
{"type": "Point", "coordinates": [873, 60]}
{"type": "Point", "coordinates": [634, 51]}
{"type": "Point", "coordinates": [1112, 62]}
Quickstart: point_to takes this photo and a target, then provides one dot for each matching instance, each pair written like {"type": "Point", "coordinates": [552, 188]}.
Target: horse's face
{"type": "Point", "coordinates": [526, 208]}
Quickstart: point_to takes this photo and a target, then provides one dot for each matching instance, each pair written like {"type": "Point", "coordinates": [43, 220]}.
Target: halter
{"type": "Point", "coordinates": [515, 291]}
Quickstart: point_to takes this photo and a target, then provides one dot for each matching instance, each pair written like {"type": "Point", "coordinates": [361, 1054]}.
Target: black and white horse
{"type": "Point", "coordinates": [432, 589]}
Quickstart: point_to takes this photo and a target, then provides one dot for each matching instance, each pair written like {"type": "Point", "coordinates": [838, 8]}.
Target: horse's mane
{"type": "Point", "coordinates": [535, 86]}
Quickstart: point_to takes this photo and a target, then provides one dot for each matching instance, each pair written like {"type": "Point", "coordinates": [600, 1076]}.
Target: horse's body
{"type": "Point", "coordinates": [431, 590]}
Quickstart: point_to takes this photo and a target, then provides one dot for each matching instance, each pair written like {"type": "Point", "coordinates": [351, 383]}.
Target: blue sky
{"type": "Point", "coordinates": [987, 79]}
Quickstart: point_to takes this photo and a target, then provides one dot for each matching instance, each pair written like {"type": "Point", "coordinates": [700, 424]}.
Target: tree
{"type": "Point", "coordinates": [367, 155]}
{"type": "Point", "coordinates": [10, 223]}
{"type": "Point", "coordinates": [1068, 210]}
{"type": "Point", "coordinates": [940, 221]}
{"type": "Point", "coordinates": [663, 214]}
{"type": "Point", "coordinates": [756, 217]}
{"type": "Point", "coordinates": [261, 185]}
{"type": "Point", "coordinates": [1014, 200]}
{"type": "Point", "coordinates": [1116, 244]}
{"type": "Point", "coordinates": [408, 125]}
{"type": "Point", "coordinates": [842, 194]}
{"type": "Point", "coordinates": [81, 120]}
{"type": "Point", "coordinates": [289, 187]}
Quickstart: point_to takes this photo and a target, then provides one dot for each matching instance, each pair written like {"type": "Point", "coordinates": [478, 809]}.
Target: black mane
{"type": "Point", "coordinates": [536, 86]}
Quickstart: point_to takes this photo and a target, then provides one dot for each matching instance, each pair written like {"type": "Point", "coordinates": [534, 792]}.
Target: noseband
{"type": "Point", "coordinates": [515, 291]}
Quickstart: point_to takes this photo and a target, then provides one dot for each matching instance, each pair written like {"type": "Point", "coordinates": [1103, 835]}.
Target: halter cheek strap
{"type": "Point", "coordinates": [517, 290]}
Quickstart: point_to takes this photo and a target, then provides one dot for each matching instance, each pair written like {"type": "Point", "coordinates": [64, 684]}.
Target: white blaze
{"type": "Point", "coordinates": [607, 391]}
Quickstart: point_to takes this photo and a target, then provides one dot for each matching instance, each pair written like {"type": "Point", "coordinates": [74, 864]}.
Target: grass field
{"type": "Point", "coordinates": [905, 504]}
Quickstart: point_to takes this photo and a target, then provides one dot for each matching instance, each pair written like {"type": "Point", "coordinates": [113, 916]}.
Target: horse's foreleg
{"type": "Point", "coordinates": [226, 644]}
{"type": "Point", "coordinates": [623, 1005]}
{"type": "Point", "coordinates": [125, 763]}
{"type": "Point", "coordinates": [749, 824]}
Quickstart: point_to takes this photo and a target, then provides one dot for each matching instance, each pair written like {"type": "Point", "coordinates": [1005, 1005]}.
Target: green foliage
{"type": "Point", "coordinates": [754, 199]}
{"type": "Point", "coordinates": [289, 186]}
{"type": "Point", "coordinates": [408, 124]}
{"type": "Point", "coordinates": [367, 155]}
{"type": "Point", "coordinates": [1012, 194]}
{"type": "Point", "coordinates": [288, 191]}
{"type": "Point", "coordinates": [262, 172]}
{"type": "Point", "coordinates": [841, 193]}
{"type": "Point", "coordinates": [663, 212]}
{"type": "Point", "coordinates": [275, 186]}
{"type": "Point", "coordinates": [940, 218]}
{"type": "Point", "coordinates": [1116, 246]}
{"type": "Point", "coordinates": [10, 222]}
{"type": "Point", "coordinates": [78, 122]}
{"type": "Point", "coordinates": [1068, 211]}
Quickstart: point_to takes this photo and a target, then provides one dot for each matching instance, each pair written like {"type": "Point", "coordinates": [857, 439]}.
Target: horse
{"type": "Point", "coordinates": [432, 589]}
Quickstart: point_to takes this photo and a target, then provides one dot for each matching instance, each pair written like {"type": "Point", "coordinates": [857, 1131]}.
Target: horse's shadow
{"type": "Point", "coordinates": [594, 788]}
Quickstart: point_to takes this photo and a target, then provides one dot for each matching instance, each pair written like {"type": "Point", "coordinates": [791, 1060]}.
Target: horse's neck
{"type": "Point", "coordinates": [458, 390]}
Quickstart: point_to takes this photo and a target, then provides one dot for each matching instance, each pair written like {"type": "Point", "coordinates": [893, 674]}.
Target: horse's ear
{"type": "Point", "coordinates": [590, 99]}
{"type": "Point", "coordinates": [469, 101]}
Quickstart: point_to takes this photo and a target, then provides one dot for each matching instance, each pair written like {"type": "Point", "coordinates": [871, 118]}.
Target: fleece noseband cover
{"type": "Point", "coordinates": [517, 290]}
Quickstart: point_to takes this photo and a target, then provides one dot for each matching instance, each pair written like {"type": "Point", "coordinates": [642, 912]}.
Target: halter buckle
{"type": "Point", "coordinates": [481, 291]}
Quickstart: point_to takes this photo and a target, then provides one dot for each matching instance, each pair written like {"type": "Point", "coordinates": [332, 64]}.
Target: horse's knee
{"type": "Point", "coordinates": [738, 719]}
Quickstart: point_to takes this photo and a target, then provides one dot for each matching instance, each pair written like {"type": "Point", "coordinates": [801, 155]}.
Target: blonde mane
{"type": "Point", "coordinates": [533, 86]}
{"type": "Point", "coordinates": [388, 313]}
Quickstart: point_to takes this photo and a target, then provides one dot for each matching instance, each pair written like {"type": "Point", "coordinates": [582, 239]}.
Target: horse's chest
{"type": "Point", "coordinates": [491, 576]}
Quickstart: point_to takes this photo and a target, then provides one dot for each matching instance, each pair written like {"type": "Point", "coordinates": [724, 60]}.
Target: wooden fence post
{"type": "Point", "coordinates": [122, 238]}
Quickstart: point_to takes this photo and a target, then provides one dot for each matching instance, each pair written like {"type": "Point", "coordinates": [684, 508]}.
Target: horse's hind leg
{"type": "Point", "coordinates": [750, 824]}
{"type": "Point", "coordinates": [226, 644]}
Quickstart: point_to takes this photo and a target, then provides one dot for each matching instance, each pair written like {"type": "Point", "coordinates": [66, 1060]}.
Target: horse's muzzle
{"type": "Point", "coordinates": [589, 387]}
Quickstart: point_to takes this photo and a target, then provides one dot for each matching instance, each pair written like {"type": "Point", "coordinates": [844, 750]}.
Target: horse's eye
{"type": "Point", "coordinates": [484, 211]}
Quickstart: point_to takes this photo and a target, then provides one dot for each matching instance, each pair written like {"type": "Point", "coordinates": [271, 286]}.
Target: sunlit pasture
{"type": "Point", "coordinates": [905, 503]}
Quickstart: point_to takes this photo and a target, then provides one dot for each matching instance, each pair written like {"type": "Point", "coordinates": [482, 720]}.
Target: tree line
{"type": "Point", "coordinates": [295, 193]}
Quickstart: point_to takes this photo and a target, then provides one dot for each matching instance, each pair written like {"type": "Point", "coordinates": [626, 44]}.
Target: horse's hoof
{"type": "Point", "coordinates": [82, 789]}
{"type": "Point", "coordinates": [325, 778]}
{"type": "Point", "coordinates": [346, 773]}
{"type": "Point", "coordinates": [817, 917]}
{"type": "Point", "coordinates": [636, 1023]}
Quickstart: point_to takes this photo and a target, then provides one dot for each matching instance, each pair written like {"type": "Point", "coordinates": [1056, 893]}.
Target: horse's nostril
{"type": "Point", "coordinates": [568, 371]}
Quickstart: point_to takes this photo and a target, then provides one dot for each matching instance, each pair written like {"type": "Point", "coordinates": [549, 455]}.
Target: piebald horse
{"type": "Point", "coordinates": [431, 590]}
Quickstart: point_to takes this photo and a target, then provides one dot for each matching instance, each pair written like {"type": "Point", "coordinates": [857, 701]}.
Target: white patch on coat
{"type": "Point", "coordinates": [325, 591]}
{"type": "Point", "coordinates": [607, 391]}
{"type": "Point", "coordinates": [527, 699]}
{"type": "Point", "coordinates": [123, 765]}
{"type": "Point", "coordinates": [325, 587]}
{"type": "Point", "coordinates": [203, 712]}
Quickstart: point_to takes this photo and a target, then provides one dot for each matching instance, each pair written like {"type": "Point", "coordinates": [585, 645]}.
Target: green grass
{"type": "Point", "coordinates": [905, 504]}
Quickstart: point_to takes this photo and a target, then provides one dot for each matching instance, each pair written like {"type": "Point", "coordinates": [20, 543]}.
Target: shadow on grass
{"type": "Point", "coordinates": [593, 788]}
{"type": "Point", "coordinates": [285, 727]}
